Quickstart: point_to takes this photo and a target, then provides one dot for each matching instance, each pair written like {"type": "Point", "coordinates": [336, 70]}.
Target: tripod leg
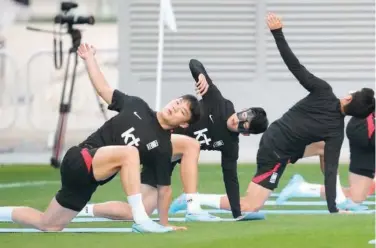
{"type": "Point", "coordinates": [62, 122]}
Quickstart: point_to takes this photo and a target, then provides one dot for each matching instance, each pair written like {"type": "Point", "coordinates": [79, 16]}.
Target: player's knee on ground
{"type": "Point", "coordinates": [358, 198]}
{"type": "Point", "coordinates": [359, 186]}
{"type": "Point", "coordinates": [247, 205]}
{"type": "Point", "coordinates": [359, 195]}
{"type": "Point", "coordinates": [49, 226]}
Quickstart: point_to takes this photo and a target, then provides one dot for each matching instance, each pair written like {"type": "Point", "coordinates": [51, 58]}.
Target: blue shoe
{"type": "Point", "coordinates": [349, 205]}
{"type": "Point", "coordinates": [251, 216]}
{"type": "Point", "coordinates": [178, 204]}
{"type": "Point", "coordinates": [290, 190]}
{"type": "Point", "coordinates": [150, 227]}
{"type": "Point", "coordinates": [201, 217]}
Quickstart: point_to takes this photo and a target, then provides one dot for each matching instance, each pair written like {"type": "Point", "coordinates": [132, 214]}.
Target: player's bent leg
{"type": "Point", "coordinates": [118, 210]}
{"type": "Point", "coordinates": [189, 150]}
{"type": "Point", "coordinates": [109, 160]}
{"type": "Point", "coordinates": [359, 187]}
{"type": "Point", "coordinates": [266, 179]}
{"type": "Point", "coordinates": [149, 198]}
{"type": "Point", "coordinates": [77, 188]}
{"type": "Point", "coordinates": [361, 173]}
{"type": "Point", "coordinates": [114, 210]}
{"type": "Point", "coordinates": [255, 198]}
{"type": "Point", "coordinates": [125, 160]}
{"type": "Point", "coordinates": [298, 187]}
{"type": "Point", "coordinates": [372, 188]}
{"type": "Point", "coordinates": [55, 218]}
{"type": "Point", "coordinates": [314, 149]}
{"type": "Point", "coordinates": [246, 203]}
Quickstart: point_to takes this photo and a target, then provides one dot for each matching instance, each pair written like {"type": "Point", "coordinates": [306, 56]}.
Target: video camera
{"type": "Point", "coordinates": [65, 18]}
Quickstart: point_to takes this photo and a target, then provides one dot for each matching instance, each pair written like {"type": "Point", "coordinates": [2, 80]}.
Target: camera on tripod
{"type": "Point", "coordinates": [68, 19]}
{"type": "Point", "coordinates": [65, 18]}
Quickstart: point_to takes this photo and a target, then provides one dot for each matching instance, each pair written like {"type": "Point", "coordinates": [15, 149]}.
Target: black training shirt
{"type": "Point", "coordinates": [314, 118]}
{"type": "Point", "coordinates": [136, 124]}
{"type": "Point", "coordinates": [212, 133]}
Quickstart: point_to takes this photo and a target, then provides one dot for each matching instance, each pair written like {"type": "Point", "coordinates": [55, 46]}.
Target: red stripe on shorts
{"type": "Point", "coordinates": [87, 158]}
{"type": "Point", "coordinates": [370, 125]}
{"type": "Point", "coordinates": [267, 174]}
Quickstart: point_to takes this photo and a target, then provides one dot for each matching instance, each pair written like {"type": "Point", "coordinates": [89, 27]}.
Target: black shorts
{"type": "Point", "coordinates": [362, 161]}
{"type": "Point", "coordinates": [77, 180]}
{"type": "Point", "coordinates": [148, 174]}
{"type": "Point", "coordinates": [269, 168]}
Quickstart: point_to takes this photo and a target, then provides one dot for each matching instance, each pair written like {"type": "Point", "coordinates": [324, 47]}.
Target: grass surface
{"type": "Point", "coordinates": [279, 231]}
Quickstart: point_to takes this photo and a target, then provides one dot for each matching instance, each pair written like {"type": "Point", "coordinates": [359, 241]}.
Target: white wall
{"type": "Point", "coordinates": [335, 39]}
{"type": "Point", "coordinates": [29, 106]}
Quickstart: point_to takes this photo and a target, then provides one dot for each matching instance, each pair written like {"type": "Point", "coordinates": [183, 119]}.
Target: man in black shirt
{"type": "Point", "coordinates": [361, 136]}
{"type": "Point", "coordinates": [218, 129]}
{"type": "Point", "coordinates": [136, 135]}
{"type": "Point", "coordinates": [317, 117]}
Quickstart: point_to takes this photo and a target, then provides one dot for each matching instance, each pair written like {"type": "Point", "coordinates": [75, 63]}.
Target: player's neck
{"type": "Point", "coordinates": [162, 122]}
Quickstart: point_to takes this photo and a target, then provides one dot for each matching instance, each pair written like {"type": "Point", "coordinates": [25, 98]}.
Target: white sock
{"type": "Point", "coordinates": [211, 200]}
{"type": "Point", "coordinates": [309, 189]}
{"type": "Point", "coordinates": [138, 208]}
{"type": "Point", "coordinates": [6, 213]}
{"type": "Point", "coordinates": [87, 211]}
{"type": "Point", "coordinates": [340, 196]}
{"type": "Point", "coordinates": [193, 203]}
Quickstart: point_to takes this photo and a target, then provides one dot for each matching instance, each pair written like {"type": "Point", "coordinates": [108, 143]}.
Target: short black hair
{"type": "Point", "coordinates": [259, 122]}
{"type": "Point", "coordinates": [362, 103]}
{"type": "Point", "coordinates": [194, 107]}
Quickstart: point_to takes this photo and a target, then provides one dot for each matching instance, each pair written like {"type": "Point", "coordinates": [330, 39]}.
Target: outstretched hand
{"type": "Point", "coordinates": [273, 21]}
{"type": "Point", "coordinates": [86, 51]}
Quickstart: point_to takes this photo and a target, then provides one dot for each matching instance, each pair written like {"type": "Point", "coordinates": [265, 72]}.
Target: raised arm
{"type": "Point", "coordinates": [87, 53]}
{"type": "Point", "coordinates": [204, 84]}
{"type": "Point", "coordinates": [309, 81]}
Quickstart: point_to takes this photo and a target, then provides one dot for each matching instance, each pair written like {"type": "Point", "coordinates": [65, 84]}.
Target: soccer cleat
{"type": "Point", "coordinates": [201, 217]}
{"type": "Point", "coordinates": [150, 226]}
{"type": "Point", "coordinates": [291, 190]}
{"type": "Point", "coordinates": [251, 216]}
{"type": "Point", "coordinates": [178, 204]}
{"type": "Point", "coordinates": [349, 205]}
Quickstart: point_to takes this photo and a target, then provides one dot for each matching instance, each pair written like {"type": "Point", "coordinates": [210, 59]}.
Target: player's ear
{"type": "Point", "coordinates": [184, 125]}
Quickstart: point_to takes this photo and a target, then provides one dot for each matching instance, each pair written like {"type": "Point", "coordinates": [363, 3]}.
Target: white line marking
{"type": "Point", "coordinates": [26, 184]}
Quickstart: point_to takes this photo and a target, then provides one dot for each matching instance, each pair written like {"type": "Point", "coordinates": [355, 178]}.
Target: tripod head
{"type": "Point", "coordinates": [68, 20]}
